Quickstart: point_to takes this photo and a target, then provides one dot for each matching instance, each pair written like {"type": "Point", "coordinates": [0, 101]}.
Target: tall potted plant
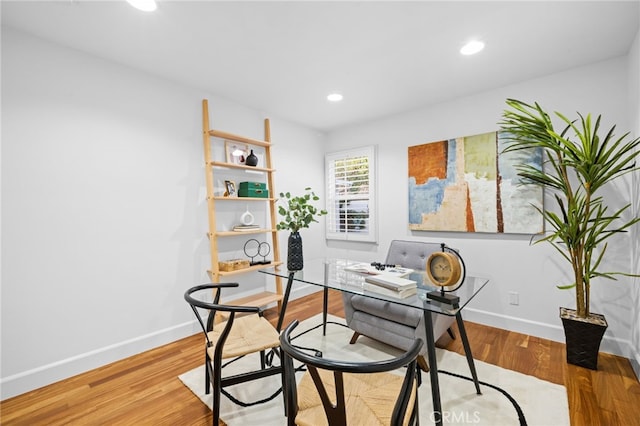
{"type": "Point", "coordinates": [297, 213]}
{"type": "Point", "coordinates": [578, 162]}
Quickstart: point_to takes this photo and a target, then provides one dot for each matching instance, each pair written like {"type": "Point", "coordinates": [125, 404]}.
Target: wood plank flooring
{"type": "Point", "coordinates": [144, 389]}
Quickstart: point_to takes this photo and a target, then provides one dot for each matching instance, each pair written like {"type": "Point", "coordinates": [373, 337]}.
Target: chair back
{"type": "Point", "coordinates": [206, 318]}
{"type": "Point", "coordinates": [336, 412]}
{"type": "Point", "coordinates": [233, 338]}
{"type": "Point", "coordinates": [411, 254]}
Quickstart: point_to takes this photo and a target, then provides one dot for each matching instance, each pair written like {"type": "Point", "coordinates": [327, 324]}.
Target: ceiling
{"type": "Point", "coordinates": [284, 58]}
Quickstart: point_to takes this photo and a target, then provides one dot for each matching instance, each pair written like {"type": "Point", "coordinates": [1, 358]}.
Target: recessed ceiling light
{"type": "Point", "coordinates": [144, 5]}
{"type": "Point", "coordinates": [335, 97]}
{"type": "Point", "coordinates": [474, 46]}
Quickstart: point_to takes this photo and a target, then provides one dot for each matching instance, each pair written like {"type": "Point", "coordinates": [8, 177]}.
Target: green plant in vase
{"type": "Point", "coordinates": [297, 213]}
{"type": "Point", "coordinates": [578, 162]}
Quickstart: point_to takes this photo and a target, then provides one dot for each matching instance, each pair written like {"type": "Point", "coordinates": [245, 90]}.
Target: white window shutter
{"type": "Point", "coordinates": [351, 189]}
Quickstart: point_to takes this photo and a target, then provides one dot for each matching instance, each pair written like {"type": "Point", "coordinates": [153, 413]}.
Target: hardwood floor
{"type": "Point", "coordinates": [145, 390]}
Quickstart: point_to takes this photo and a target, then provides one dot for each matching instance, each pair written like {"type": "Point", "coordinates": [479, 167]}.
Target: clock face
{"type": "Point", "coordinates": [440, 269]}
{"type": "Point", "coordinates": [444, 269]}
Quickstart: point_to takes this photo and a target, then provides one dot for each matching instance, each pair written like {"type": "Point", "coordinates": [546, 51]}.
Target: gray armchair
{"type": "Point", "coordinates": [390, 323]}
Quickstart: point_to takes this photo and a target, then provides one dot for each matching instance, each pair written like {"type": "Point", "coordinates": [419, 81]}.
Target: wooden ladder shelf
{"type": "Point", "coordinates": [210, 137]}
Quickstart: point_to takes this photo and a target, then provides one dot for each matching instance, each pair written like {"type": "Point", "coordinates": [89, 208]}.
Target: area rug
{"type": "Point", "coordinates": [508, 397]}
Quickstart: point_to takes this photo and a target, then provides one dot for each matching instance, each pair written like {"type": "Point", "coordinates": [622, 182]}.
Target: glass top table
{"type": "Point", "coordinates": [335, 273]}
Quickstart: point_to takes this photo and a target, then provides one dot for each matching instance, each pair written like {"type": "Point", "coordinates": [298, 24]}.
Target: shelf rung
{"type": "Point", "coordinates": [244, 270]}
{"type": "Point", "coordinates": [238, 233]}
{"type": "Point", "coordinates": [240, 166]}
{"type": "Point", "coordinates": [237, 138]}
{"type": "Point", "coordinates": [243, 198]}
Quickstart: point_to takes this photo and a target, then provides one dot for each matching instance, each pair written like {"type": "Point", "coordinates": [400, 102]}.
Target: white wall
{"type": "Point", "coordinates": [509, 261]}
{"type": "Point", "coordinates": [103, 207]}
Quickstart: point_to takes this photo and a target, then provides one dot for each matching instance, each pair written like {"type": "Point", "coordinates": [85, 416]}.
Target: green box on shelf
{"type": "Point", "coordinates": [253, 189]}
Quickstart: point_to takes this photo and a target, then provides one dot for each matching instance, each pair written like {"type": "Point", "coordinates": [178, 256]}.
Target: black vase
{"type": "Point", "coordinates": [251, 160]}
{"type": "Point", "coordinates": [582, 338]}
{"type": "Point", "coordinates": [294, 254]}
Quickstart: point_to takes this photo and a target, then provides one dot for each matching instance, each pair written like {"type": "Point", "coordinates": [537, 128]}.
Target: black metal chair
{"type": "Point", "coordinates": [338, 393]}
{"type": "Point", "coordinates": [238, 331]}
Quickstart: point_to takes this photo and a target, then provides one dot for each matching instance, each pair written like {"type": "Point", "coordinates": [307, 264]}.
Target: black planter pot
{"type": "Point", "coordinates": [583, 337]}
{"type": "Point", "coordinates": [294, 254]}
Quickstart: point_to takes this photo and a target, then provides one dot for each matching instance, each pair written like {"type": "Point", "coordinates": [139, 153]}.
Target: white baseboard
{"type": "Point", "coordinates": [44, 375]}
{"type": "Point", "coordinates": [610, 345]}
{"type": "Point", "coordinates": [47, 374]}
{"type": "Point", "coordinates": [50, 373]}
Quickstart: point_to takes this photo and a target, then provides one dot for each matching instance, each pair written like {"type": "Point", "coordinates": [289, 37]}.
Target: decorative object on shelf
{"type": "Point", "coordinates": [253, 189]}
{"type": "Point", "coordinates": [254, 248]}
{"type": "Point", "coordinates": [236, 153]}
{"type": "Point", "coordinates": [251, 159]}
{"type": "Point", "coordinates": [233, 265]}
{"type": "Point", "coordinates": [247, 217]}
{"type": "Point", "coordinates": [579, 162]}
{"type": "Point", "coordinates": [230, 188]}
{"type": "Point", "coordinates": [297, 214]}
{"type": "Point", "coordinates": [445, 269]}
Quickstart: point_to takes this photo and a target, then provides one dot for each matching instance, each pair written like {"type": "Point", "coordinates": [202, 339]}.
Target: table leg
{"type": "Point", "coordinates": [433, 368]}
{"type": "Point", "coordinates": [285, 300]}
{"type": "Point", "coordinates": [325, 303]}
{"type": "Point", "coordinates": [467, 351]}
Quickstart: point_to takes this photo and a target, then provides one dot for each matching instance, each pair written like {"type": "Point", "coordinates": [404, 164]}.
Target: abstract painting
{"type": "Point", "coordinates": [468, 184]}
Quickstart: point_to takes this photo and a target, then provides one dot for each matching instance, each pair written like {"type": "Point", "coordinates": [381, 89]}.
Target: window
{"type": "Point", "coordinates": [351, 188]}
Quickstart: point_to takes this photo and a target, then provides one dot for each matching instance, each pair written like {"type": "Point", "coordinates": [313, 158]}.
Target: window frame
{"type": "Point", "coordinates": [331, 158]}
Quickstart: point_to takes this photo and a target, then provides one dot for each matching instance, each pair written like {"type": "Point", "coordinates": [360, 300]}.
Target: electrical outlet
{"type": "Point", "coordinates": [514, 298]}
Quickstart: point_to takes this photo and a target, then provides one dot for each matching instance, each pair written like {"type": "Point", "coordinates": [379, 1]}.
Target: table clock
{"type": "Point", "coordinates": [445, 269]}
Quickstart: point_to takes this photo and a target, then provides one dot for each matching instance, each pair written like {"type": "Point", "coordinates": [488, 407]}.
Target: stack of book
{"type": "Point", "coordinates": [390, 285]}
